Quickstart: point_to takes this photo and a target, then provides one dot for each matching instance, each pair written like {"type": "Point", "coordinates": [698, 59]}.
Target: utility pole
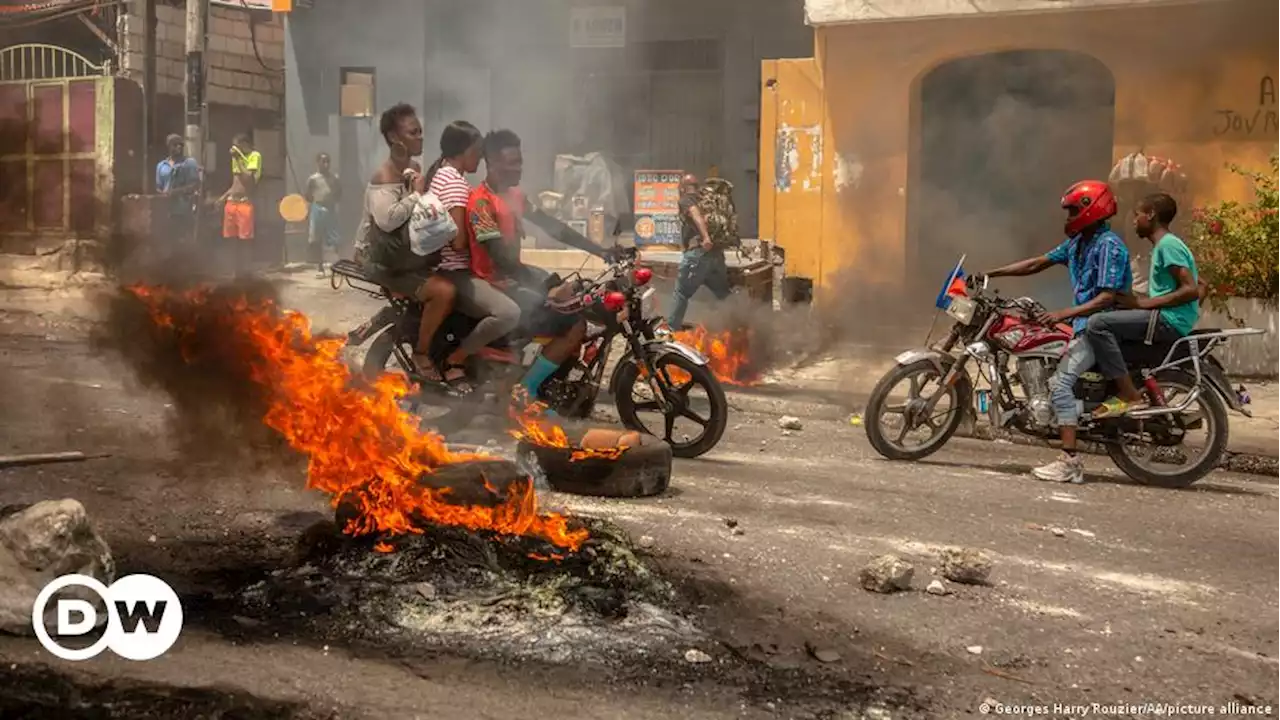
{"type": "Point", "coordinates": [148, 94]}
{"type": "Point", "coordinates": [197, 14]}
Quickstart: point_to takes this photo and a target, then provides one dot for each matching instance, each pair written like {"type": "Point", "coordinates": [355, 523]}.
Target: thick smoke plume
{"type": "Point", "coordinates": [200, 364]}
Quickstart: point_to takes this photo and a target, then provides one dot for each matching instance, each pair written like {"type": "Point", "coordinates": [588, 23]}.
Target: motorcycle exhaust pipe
{"type": "Point", "coordinates": [370, 327]}
{"type": "Point", "coordinates": [1180, 407]}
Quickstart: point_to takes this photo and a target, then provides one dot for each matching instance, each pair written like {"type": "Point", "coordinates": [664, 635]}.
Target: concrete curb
{"type": "Point", "coordinates": [1248, 463]}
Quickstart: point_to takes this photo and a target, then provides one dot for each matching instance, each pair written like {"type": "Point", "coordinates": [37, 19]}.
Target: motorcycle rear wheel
{"type": "Point", "coordinates": [918, 373]}
{"type": "Point", "coordinates": [1214, 412]}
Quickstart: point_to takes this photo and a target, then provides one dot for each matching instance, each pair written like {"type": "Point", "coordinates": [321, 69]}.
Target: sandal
{"type": "Point", "coordinates": [427, 369]}
{"type": "Point", "coordinates": [455, 376]}
{"type": "Point", "coordinates": [1114, 407]}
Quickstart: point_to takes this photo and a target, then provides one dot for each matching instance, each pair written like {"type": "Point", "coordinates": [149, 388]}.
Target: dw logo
{"type": "Point", "coordinates": [144, 617]}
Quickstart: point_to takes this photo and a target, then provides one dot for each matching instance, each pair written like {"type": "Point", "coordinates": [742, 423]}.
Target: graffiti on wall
{"type": "Point", "coordinates": [1261, 120]}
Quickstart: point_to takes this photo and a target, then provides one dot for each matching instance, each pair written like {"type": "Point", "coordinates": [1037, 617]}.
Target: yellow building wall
{"type": "Point", "coordinates": [1195, 83]}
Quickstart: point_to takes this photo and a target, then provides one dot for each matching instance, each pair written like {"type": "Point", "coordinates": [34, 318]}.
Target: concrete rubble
{"type": "Point", "coordinates": [789, 422]}
{"type": "Point", "coordinates": [887, 574]}
{"type": "Point", "coordinates": [39, 543]}
{"type": "Point", "coordinates": [966, 566]}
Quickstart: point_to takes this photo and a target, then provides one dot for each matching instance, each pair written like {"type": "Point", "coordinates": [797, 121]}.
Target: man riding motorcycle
{"type": "Point", "coordinates": [1098, 263]}
{"type": "Point", "coordinates": [495, 214]}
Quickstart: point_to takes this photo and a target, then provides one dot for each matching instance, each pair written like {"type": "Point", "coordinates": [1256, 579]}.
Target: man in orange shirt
{"type": "Point", "coordinates": [495, 228]}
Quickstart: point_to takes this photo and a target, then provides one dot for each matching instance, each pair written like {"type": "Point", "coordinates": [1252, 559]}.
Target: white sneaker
{"type": "Point", "coordinates": [1065, 469]}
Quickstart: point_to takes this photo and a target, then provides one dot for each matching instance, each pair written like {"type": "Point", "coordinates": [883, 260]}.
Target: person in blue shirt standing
{"type": "Point", "coordinates": [178, 178]}
{"type": "Point", "coordinates": [1098, 263]}
{"type": "Point", "coordinates": [1174, 299]}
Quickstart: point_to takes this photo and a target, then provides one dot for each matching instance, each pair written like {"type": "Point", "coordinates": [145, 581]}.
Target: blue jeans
{"type": "Point", "coordinates": [698, 267]}
{"type": "Point", "coordinates": [1076, 360]}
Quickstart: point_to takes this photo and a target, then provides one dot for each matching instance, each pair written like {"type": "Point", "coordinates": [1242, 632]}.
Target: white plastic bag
{"type": "Point", "coordinates": [430, 226]}
{"type": "Point", "coordinates": [1134, 166]}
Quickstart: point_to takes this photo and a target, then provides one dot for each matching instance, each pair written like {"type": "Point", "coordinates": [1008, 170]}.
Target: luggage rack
{"type": "Point", "coordinates": [353, 275]}
{"type": "Point", "coordinates": [1196, 347]}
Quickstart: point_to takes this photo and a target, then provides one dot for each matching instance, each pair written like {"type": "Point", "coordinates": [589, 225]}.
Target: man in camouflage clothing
{"type": "Point", "coordinates": [703, 260]}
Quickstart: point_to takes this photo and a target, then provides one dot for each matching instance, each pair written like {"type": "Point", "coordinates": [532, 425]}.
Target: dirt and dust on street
{"type": "Point", "coordinates": [740, 592]}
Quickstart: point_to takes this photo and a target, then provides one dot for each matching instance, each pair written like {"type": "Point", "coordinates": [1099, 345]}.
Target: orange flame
{"type": "Point", "coordinates": [536, 428]}
{"type": "Point", "coordinates": [728, 354]}
{"type": "Point", "coordinates": [360, 445]}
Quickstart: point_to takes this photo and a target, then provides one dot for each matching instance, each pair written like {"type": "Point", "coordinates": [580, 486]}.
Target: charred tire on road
{"type": "Point", "coordinates": [642, 470]}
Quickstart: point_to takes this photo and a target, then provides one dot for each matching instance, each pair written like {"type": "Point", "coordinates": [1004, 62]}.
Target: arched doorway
{"type": "Point", "coordinates": [1000, 136]}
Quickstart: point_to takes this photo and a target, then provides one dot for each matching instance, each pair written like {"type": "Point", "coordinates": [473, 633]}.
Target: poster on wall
{"type": "Point", "coordinates": [657, 207]}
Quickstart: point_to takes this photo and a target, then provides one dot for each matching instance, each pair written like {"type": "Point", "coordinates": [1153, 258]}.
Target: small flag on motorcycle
{"type": "Point", "coordinates": [952, 287]}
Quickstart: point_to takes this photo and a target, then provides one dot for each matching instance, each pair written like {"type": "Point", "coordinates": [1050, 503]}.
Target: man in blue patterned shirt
{"type": "Point", "coordinates": [1098, 263]}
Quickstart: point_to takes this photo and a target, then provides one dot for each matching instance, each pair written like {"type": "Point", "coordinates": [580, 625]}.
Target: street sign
{"type": "Point", "coordinates": [598, 26]}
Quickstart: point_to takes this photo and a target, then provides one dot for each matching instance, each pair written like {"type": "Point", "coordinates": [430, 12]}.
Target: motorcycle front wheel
{"type": "Point", "coordinates": [892, 416]}
{"type": "Point", "coordinates": [709, 413]}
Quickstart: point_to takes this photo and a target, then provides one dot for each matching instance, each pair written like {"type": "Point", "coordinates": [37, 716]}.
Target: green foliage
{"type": "Point", "coordinates": [1235, 244]}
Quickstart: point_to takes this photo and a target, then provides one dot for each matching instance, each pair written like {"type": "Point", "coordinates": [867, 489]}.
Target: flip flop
{"type": "Point", "coordinates": [1115, 407]}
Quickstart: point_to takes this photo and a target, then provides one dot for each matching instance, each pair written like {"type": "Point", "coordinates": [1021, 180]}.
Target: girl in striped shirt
{"type": "Point", "coordinates": [460, 149]}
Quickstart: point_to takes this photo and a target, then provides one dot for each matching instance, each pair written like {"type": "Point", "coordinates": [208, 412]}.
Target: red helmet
{"type": "Point", "coordinates": [1087, 203]}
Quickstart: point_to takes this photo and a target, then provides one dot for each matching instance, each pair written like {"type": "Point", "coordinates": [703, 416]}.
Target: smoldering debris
{"type": "Point", "coordinates": [488, 594]}
{"type": "Point", "coordinates": [200, 364]}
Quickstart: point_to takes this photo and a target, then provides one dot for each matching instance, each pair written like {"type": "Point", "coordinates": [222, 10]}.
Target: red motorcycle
{"type": "Point", "coordinates": [1016, 357]}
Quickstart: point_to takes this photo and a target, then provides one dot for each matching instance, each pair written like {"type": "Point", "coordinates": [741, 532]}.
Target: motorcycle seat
{"type": "Point", "coordinates": [1141, 355]}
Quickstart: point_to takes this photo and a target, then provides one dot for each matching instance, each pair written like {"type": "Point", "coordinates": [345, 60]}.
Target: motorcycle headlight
{"type": "Point", "coordinates": [961, 309]}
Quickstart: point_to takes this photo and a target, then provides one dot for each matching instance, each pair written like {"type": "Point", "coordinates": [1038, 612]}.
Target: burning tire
{"type": "Point", "coordinates": [481, 482]}
{"type": "Point", "coordinates": [643, 470]}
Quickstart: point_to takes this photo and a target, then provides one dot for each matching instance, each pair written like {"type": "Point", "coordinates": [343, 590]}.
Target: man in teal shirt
{"type": "Point", "coordinates": [1174, 295]}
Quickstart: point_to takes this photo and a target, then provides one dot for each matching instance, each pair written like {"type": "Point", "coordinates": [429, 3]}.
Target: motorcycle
{"type": "Point", "coordinates": [1186, 386]}
{"type": "Point", "coordinates": [666, 372]}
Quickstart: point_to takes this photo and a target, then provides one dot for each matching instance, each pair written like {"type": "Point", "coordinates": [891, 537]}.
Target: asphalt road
{"type": "Point", "coordinates": [1145, 595]}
